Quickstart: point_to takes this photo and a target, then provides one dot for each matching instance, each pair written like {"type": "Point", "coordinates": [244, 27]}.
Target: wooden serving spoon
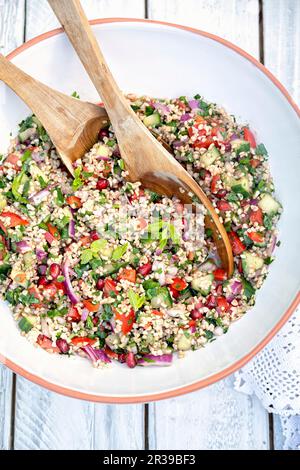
{"type": "Point", "coordinates": [72, 125]}
{"type": "Point", "coordinates": [145, 159]}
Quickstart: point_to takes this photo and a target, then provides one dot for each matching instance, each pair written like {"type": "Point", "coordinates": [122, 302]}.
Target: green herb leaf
{"type": "Point", "coordinates": [77, 182]}
{"type": "Point", "coordinates": [136, 300]}
{"type": "Point", "coordinates": [119, 251]}
{"type": "Point", "coordinates": [86, 256]}
{"type": "Point", "coordinates": [249, 290]}
{"type": "Point", "coordinates": [98, 245]}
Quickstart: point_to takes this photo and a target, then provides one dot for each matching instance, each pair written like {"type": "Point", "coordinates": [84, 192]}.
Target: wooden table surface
{"type": "Point", "coordinates": [217, 417]}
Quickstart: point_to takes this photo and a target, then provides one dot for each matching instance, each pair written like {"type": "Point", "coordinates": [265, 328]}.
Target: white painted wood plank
{"type": "Point", "coordinates": [217, 417]}
{"type": "Point", "coordinates": [282, 42]}
{"type": "Point", "coordinates": [11, 36]}
{"type": "Point", "coordinates": [45, 420]}
{"type": "Point", "coordinates": [214, 418]}
{"type": "Point", "coordinates": [40, 17]}
{"type": "Point", "coordinates": [5, 407]}
{"type": "Point", "coordinates": [282, 57]}
{"type": "Point", "coordinates": [235, 20]}
{"type": "Point", "coordinates": [11, 24]}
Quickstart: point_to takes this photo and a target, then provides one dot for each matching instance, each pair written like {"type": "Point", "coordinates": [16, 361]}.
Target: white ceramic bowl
{"type": "Point", "coordinates": [167, 61]}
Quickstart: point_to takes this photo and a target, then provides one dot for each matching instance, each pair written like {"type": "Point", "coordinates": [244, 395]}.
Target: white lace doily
{"type": "Point", "coordinates": [274, 376]}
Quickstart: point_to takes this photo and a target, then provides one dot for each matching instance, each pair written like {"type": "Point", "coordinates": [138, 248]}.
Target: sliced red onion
{"type": "Point", "coordinates": [151, 360]}
{"type": "Point", "coordinates": [23, 247]}
{"type": "Point", "coordinates": [235, 288]}
{"type": "Point", "coordinates": [62, 345]}
{"type": "Point", "coordinates": [161, 107]}
{"type": "Point", "coordinates": [85, 314]}
{"type": "Point", "coordinates": [208, 266]}
{"type": "Point", "coordinates": [37, 157]}
{"type": "Point", "coordinates": [102, 157]}
{"type": "Point", "coordinates": [192, 329]}
{"type": "Point", "coordinates": [179, 143]}
{"type": "Point", "coordinates": [272, 245]}
{"type": "Point", "coordinates": [185, 117]}
{"type": "Point", "coordinates": [42, 269]}
{"type": "Point", "coordinates": [38, 197]}
{"type": "Point", "coordinates": [193, 104]}
{"type": "Point", "coordinates": [49, 238]}
{"type": "Point", "coordinates": [234, 137]}
{"type": "Point", "coordinates": [253, 202]}
{"type": "Point", "coordinates": [72, 228]}
{"type": "Point", "coordinates": [41, 254]}
{"type": "Point", "coordinates": [185, 236]}
{"type": "Point", "coordinates": [96, 354]}
{"type": "Point", "coordinates": [67, 283]}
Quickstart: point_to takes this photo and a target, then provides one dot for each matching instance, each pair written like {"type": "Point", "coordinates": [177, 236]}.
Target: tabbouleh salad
{"type": "Point", "coordinates": [79, 283]}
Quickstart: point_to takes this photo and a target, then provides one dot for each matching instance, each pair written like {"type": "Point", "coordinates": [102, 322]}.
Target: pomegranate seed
{"type": "Point", "coordinates": [130, 360]}
{"type": "Point", "coordinates": [94, 235]}
{"type": "Point", "coordinates": [228, 147]}
{"type": "Point", "coordinates": [102, 183]}
{"type": "Point", "coordinates": [95, 321]}
{"type": "Point", "coordinates": [100, 284]}
{"type": "Point", "coordinates": [196, 315]}
{"type": "Point", "coordinates": [54, 270]}
{"type": "Point", "coordinates": [42, 281]}
{"type": "Point", "coordinates": [219, 289]}
{"type": "Point", "coordinates": [211, 301]}
{"type": "Point", "coordinates": [221, 193]}
{"type": "Point", "coordinates": [103, 133]}
{"type": "Point", "coordinates": [145, 269]}
{"type": "Point", "coordinates": [62, 345]}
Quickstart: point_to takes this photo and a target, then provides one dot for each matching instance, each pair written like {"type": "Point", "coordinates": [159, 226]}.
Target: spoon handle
{"type": "Point", "coordinates": [75, 23]}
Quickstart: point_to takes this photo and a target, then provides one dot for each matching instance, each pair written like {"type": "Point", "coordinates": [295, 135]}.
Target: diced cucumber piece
{"type": "Point", "coordinates": [251, 262]}
{"type": "Point", "coordinates": [237, 143]}
{"type": "Point", "coordinates": [25, 325]}
{"type": "Point", "coordinates": [269, 205]}
{"type": "Point", "coordinates": [153, 120]}
{"type": "Point", "coordinates": [209, 157]}
{"type": "Point", "coordinates": [203, 283]}
{"type": "Point", "coordinates": [36, 173]}
{"type": "Point", "coordinates": [184, 343]}
{"type": "Point", "coordinates": [27, 134]}
{"type": "Point", "coordinates": [159, 296]}
{"type": "Point", "coordinates": [3, 201]}
{"type": "Point", "coordinates": [242, 186]}
{"type": "Point", "coordinates": [37, 122]}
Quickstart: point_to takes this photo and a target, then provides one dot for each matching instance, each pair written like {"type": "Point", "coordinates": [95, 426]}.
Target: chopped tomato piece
{"type": "Point", "coordinates": [50, 290]}
{"type": "Point", "coordinates": [46, 343]}
{"type": "Point", "coordinates": [256, 237]}
{"type": "Point", "coordinates": [223, 206]}
{"type": "Point", "coordinates": [220, 274]}
{"type": "Point", "coordinates": [192, 323]}
{"type": "Point", "coordinates": [249, 136]}
{"type": "Point", "coordinates": [110, 353]}
{"type": "Point", "coordinates": [214, 181]}
{"type": "Point", "coordinates": [254, 162]}
{"type": "Point", "coordinates": [205, 144]}
{"type": "Point", "coordinates": [13, 160]}
{"type": "Point", "coordinates": [73, 314]}
{"type": "Point", "coordinates": [53, 231]}
{"type": "Point", "coordinates": [59, 286]}
{"type": "Point", "coordinates": [223, 305]}
{"type": "Point", "coordinates": [157, 312]}
{"type": "Point", "coordinates": [88, 304]}
{"type": "Point", "coordinates": [15, 219]}
{"type": "Point", "coordinates": [82, 340]}
{"type": "Point", "coordinates": [236, 243]}
{"type": "Point", "coordinates": [127, 274]}
{"type": "Point", "coordinates": [84, 241]}
{"type": "Point", "coordinates": [142, 223]}
{"type": "Point", "coordinates": [199, 119]}
{"type": "Point", "coordinates": [126, 320]}
{"type": "Point", "coordinates": [74, 201]}
{"type": "Point", "coordinates": [256, 216]}
{"type": "Point", "coordinates": [175, 293]}
{"type": "Point", "coordinates": [34, 291]}
{"type": "Point", "coordinates": [178, 284]}
{"type": "Point", "coordinates": [110, 287]}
